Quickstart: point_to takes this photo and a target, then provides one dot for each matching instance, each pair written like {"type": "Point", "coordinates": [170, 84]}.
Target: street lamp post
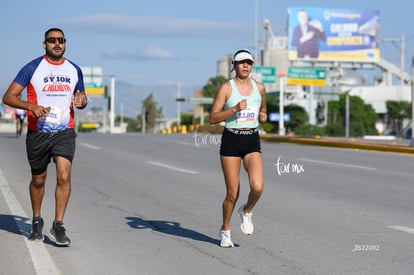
{"type": "Point", "coordinates": [282, 76]}
{"type": "Point", "coordinates": [347, 115]}
{"type": "Point", "coordinates": [255, 29]}
{"type": "Point", "coordinates": [112, 111]}
{"type": "Point", "coordinates": [178, 105]}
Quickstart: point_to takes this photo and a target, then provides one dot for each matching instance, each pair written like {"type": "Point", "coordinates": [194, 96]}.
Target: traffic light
{"type": "Point", "coordinates": [106, 92]}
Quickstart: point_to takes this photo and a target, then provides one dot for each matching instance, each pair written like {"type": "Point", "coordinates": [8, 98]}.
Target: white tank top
{"type": "Point", "coordinates": [248, 118]}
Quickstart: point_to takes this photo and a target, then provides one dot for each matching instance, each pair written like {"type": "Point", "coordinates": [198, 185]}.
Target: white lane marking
{"type": "Point", "coordinates": [185, 143]}
{"type": "Point", "coordinates": [339, 164]}
{"type": "Point", "coordinates": [90, 146]}
{"type": "Point", "coordinates": [42, 261]}
{"type": "Point", "coordinates": [172, 167]}
{"type": "Point", "coordinates": [402, 228]}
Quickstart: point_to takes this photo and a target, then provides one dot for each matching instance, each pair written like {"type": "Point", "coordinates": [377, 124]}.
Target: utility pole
{"type": "Point", "coordinates": [402, 57]}
{"type": "Point", "coordinates": [143, 122]}
{"type": "Point", "coordinates": [112, 111]}
{"type": "Point", "coordinates": [412, 103]}
{"type": "Point", "coordinates": [347, 115]}
{"type": "Point", "coordinates": [178, 105]}
{"type": "Point", "coordinates": [282, 77]}
{"type": "Point", "coordinates": [255, 30]}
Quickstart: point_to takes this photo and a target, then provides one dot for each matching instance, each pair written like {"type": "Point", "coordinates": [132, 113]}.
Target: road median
{"type": "Point", "coordinates": [341, 143]}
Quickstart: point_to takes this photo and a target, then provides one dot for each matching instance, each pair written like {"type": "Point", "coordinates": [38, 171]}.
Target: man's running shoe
{"type": "Point", "coordinates": [57, 234]}
{"type": "Point", "coordinates": [225, 240]}
{"type": "Point", "coordinates": [36, 232]}
{"type": "Point", "coordinates": [246, 225]}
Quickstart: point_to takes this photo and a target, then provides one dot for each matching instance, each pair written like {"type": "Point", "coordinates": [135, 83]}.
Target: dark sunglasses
{"type": "Point", "coordinates": [53, 40]}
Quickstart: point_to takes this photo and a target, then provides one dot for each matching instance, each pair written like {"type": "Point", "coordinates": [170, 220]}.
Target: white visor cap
{"type": "Point", "coordinates": [243, 56]}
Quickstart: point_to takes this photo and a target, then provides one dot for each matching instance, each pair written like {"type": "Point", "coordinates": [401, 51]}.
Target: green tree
{"type": "Point", "coordinates": [211, 88]}
{"type": "Point", "coordinates": [131, 123]}
{"type": "Point", "coordinates": [272, 106]}
{"type": "Point", "coordinates": [306, 129]}
{"type": "Point", "coordinates": [362, 117]}
{"type": "Point", "coordinates": [186, 119]}
{"type": "Point", "coordinates": [335, 123]}
{"type": "Point", "coordinates": [298, 117]}
{"type": "Point", "coordinates": [134, 125]}
{"type": "Point", "coordinates": [398, 111]}
{"type": "Point", "coordinates": [151, 113]}
{"type": "Point", "coordinates": [272, 102]}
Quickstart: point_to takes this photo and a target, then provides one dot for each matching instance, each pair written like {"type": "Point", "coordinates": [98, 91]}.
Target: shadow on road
{"type": "Point", "coordinates": [172, 228]}
{"type": "Point", "coordinates": [12, 136]}
{"type": "Point", "coordinates": [20, 226]}
{"type": "Point", "coordinates": [15, 224]}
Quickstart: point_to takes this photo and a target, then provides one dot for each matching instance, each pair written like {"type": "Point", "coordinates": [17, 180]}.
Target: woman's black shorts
{"type": "Point", "coordinates": [41, 147]}
{"type": "Point", "coordinates": [238, 143]}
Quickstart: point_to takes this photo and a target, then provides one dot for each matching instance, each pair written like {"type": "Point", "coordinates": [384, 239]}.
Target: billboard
{"type": "Point", "coordinates": [324, 34]}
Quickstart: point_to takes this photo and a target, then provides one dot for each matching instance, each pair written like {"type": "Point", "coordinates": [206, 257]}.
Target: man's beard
{"type": "Point", "coordinates": [53, 56]}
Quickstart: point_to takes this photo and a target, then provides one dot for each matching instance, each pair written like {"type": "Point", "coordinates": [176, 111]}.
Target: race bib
{"type": "Point", "coordinates": [250, 114]}
{"type": "Point", "coordinates": [54, 116]}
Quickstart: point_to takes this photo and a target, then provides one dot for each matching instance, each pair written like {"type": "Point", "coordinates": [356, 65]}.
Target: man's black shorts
{"type": "Point", "coordinates": [42, 147]}
{"type": "Point", "coordinates": [238, 143]}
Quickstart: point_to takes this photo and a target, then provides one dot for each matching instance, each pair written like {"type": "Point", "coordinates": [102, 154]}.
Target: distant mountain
{"type": "Point", "coordinates": [129, 98]}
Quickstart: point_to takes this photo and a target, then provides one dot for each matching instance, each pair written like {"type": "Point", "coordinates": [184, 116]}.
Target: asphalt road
{"type": "Point", "coordinates": [151, 204]}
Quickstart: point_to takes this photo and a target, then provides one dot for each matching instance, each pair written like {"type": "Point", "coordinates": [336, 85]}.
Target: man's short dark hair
{"type": "Point", "coordinates": [53, 30]}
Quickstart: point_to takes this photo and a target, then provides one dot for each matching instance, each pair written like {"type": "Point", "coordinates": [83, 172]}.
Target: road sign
{"type": "Point", "coordinates": [306, 76]}
{"type": "Point", "coordinates": [196, 100]}
{"type": "Point", "coordinates": [94, 90]}
{"type": "Point", "coordinates": [276, 117]}
{"type": "Point", "coordinates": [264, 74]}
{"type": "Point", "coordinates": [201, 100]}
{"type": "Point", "coordinates": [92, 77]}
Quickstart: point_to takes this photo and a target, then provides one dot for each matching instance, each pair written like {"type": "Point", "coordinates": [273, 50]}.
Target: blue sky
{"type": "Point", "coordinates": [160, 42]}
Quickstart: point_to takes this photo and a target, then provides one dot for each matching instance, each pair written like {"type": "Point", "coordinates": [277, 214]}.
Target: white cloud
{"type": "Point", "coordinates": [153, 51]}
{"type": "Point", "coordinates": [149, 52]}
{"type": "Point", "coordinates": [155, 26]}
